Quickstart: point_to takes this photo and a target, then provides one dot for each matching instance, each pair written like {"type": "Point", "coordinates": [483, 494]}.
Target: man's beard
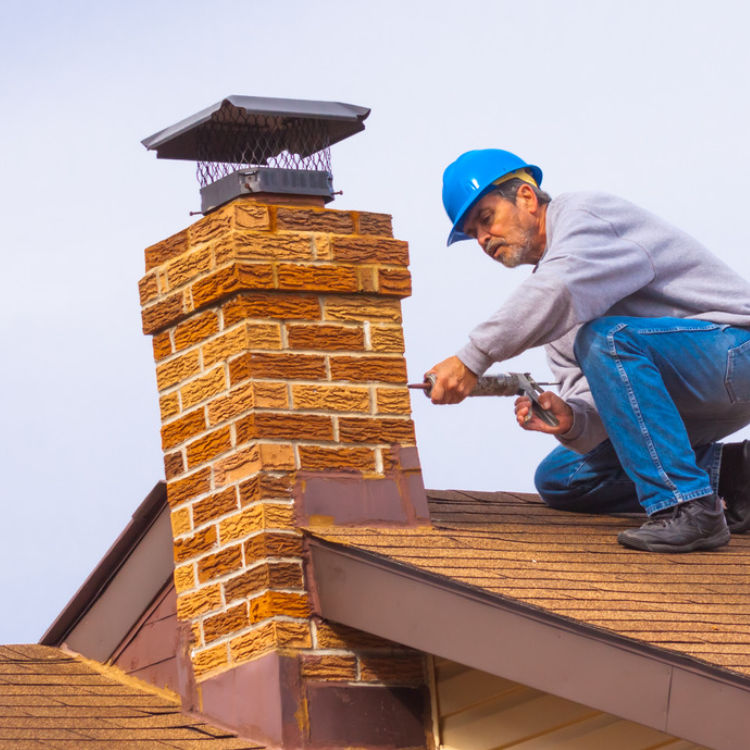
{"type": "Point", "coordinates": [514, 254]}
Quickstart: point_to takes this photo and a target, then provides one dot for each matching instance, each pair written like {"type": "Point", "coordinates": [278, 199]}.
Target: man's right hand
{"type": "Point", "coordinates": [454, 381]}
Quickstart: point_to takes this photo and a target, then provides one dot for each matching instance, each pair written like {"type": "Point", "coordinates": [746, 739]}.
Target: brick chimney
{"type": "Point", "coordinates": [278, 343]}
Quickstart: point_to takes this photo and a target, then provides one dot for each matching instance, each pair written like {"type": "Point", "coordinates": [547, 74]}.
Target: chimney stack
{"type": "Point", "coordinates": [277, 336]}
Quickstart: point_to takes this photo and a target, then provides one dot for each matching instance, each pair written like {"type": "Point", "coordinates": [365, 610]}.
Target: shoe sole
{"type": "Point", "coordinates": [712, 542]}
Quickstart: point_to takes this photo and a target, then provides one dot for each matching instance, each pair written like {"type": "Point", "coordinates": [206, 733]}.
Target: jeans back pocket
{"type": "Point", "coordinates": [738, 373]}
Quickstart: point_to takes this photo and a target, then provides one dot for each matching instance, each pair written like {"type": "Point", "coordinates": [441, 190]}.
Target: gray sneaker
{"type": "Point", "coordinates": [692, 525]}
{"type": "Point", "coordinates": [734, 485]}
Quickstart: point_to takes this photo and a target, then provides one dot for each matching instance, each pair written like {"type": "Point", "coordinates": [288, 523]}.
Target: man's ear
{"type": "Point", "coordinates": [526, 198]}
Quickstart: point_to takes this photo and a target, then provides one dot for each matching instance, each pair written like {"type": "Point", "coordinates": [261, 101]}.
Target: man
{"type": "Point", "coordinates": [648, 334]}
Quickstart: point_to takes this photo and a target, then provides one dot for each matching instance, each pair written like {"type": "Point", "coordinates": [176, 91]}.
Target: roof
{"type": "Point", "coordinates": [49, 698]}
{"type": "Point", "coordinates": [502, 583]}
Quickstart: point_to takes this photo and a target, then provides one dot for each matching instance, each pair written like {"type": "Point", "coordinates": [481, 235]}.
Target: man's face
{"type": "Point", "coordinates": [508, 232]}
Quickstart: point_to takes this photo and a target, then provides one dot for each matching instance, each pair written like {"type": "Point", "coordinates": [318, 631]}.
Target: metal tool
{"type": "Point", "coordinates": [503, 384]}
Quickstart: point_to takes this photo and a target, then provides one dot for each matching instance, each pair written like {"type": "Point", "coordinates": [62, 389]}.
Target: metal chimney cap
{"type": "Point", "coordinates": [183, 140]}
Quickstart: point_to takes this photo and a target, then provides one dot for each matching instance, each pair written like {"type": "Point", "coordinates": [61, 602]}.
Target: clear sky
{"type": "Point", "coordinates": [646, 98]}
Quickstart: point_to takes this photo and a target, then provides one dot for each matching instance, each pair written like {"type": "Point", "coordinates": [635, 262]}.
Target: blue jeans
{"type": "Point", "coordinates": [667, 389]}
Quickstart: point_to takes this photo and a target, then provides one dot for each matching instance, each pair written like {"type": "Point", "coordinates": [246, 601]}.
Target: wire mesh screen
{"type": "Point", "coordinates": [234, 139]}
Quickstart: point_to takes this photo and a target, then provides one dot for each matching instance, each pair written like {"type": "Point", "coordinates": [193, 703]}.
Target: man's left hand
{"type": "Point", "coordinates": [454, 381]}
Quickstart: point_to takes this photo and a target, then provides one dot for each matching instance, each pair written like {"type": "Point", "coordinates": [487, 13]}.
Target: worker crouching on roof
{"type": "Point", "coordinates": [648, 334]}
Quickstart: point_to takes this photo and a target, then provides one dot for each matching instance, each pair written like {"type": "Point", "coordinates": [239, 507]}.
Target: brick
{"type": "Point", "coordinates": [315, 458]}
{"type": "Point", "coordinates": [243, 245]}
{"type": "Point", "coordinates": [393, 669]}
{"type": "Point", "coordinates": [286, 575]}
{"type": "Point", "coordinates": [371, 250]}
{"type": "Point", "coordinates": [184, 578]}
{"type": "Point", "coordinates": [268, 636]}
{"type": "Point", "coordinates": [322, 244]}
{"type": "Point", "coordinates": [279, 305]}
{"type": "Point", "coordinates": [188, 266]}
{"type": "Point", "coordinates": [238, 401]}
{"type": "Point", "coordinates": [196, 634]}
{"type": "Point", "coordinates": [225, 623]}
{"type": "Point", "coordinates": [201, 541]}
{"type": "Point", "coordinates": [162, 314]}
{"type": "Point", "coordinates": [178, 369]}
{"type": "Point", "coordinates": [222, 347]}
{"type": "Point", "coordinates": [208, 447]}
{"type": "Point", "coordinates": [328, 667]}
{"type": "Point", "coordinates": [187, 426]}
{"type": "Point", "coordinates": [326, 337]}
{"type": "Point", "coordinates": [211, 227]}
{"type": "Point", "coordinates": [387, 339]}
{"type": "Point", "coordinates": [215, 505]}
{"type": "Point", "coordinates": [270, 425]}
{"type": "Point", "coordinates": [209, 659]}
{"type": "Point", "coordinates": [378, 430]}
{"type": "Point", "coordinates": [181, 523]}
{"type": "Point", "coordinates": [162, 345]}
{"type": "Point", "coordinates": [394, 281]}
{"type": "Point", "coordinates": [392, 401]}
{"type": "Point", "coordinates": [163, 251]}
{"type": "Point", "coordinates": [379, 224]}
{"type": "Point", "coordinates": [256, 518]}
{"type": "Point", "coordinates": [364, 307]}
{"type": "Point", "coordinates": [192, 485]}
{"type": "Point", "coordinates": [271, 395]}
{"type": "Point", "coordinates": [204, 387]}
{"type": "Point", "coordinates": [277, 456]}
{"type": "Point", "coordinates": [278, 603]}
{"type": "Point", "coordinates": [266, 485]}
{"type": "Point", "coordinates": [221, 563]}
{"type": "Point", "coordinates": [273, 365]}
{"type": "Point", "coordinates": [318, 278]}
{"type": "Point", "coordinates": [148, 288]}
{"type": "Point", "coordinates": [263, 335]}
{"type": "Point", "coordinates": [238, 465]}
{"type": "Point", "coordinates": [169, 406]}
{"type": "Point", "coordinates": [384, 369]}
{"type": "Point", "coordinates": [195, 329]}
{"type": "Point", "coordinates": [273, 544]}
{"type": "Point", "coordinates": [251, 216]}
{"type": "Point", "coordinates": [233, 278]}
{"type": "Point", "coordinates": [331, 635]}
{"type": "Point", "coordinates": [314, 220]}
{"type": "Point", "coordinates": [174, 465]}
{"type": "Point", "coordinates": [331, 397]}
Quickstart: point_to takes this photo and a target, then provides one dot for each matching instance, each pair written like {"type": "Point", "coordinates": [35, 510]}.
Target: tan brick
{"type": "Point", "coordinates": [314, 220]}
{"type": "Point", "coordinates": [331, 397]}
{"type": "Point", "coordinates": [162, 314]}
{"type": "Point", "coordinates": [207, 447]}
{"type": "Point", "coordinates": [273, 365]}
{"type": "Point", "coordinates": [165, 250]}
{"type": "Point", "coordinates": [323, 247]}
{"type": "Point", "coordinates": [201, 541]}
{"type": "Point", "coordinates": [379, 224]}
{"type": "Point", "coordinates": [196, 634]}
{"type": "Point", "coordinates": [169, 406]}
{"type": "Point", "coordinates": [198, 602]}
{"type": "Point", "coordinates": [238, 401]}
{"type": "Point", "coordinates": [368, 278]}
{"type": "Point", "coordinates": [319, 278]}
{"type": "Point", "coordinates": [256, 518]}
{"type": "Point", "coordinates": [394, 282]}
{"type": "Point", "coordinates": [209, 659]}
{"type": "Point", "coordinates": [148, 288]}
{"type": "Point", "coordinates": [383, 369]}
{"type": "Point", "coordinates": [181, 523]}
{"type": "Point", "coordinates": [270, 635]}
{"type": "Point", "coordinates": [326, 337]}
{"type": "Point", "coordinates": [174, 465]}
{"type": "Point", "coordinates": [273, 544]}
{"type": "Point", "coordinates": [184, 578]}
{"type": "Point", "coordinates": [263, 335]}
{"type": "Point", "coordinates": [177, 369]}
{"type": "Point", "coordinates": [331, 635]}
{"type": "Point", "coordinates": [225, 623]}
{"type": "Point", "coordinates": [328, 667]}
{"type": "Point", "coordinates": [204, 387]}
{"type": "Point", "coordinates": [182, 429]}
{"type": "Point", "coordinates": [267, 485]}
{"type": "Point", "coordinates": [192, 485]}
{"type": "Point", "coordinates": [387, 339]}
{"type": "Point", "coordinates": [251, 215]}
{"type": "Point", "coordinates": [286, 575]}
{"type": "Point", "coordinates": [221, 563]}
{"type": "Point", "coordinates": [233, 278]}
{"type": "Point", "coordinates": [314, 457]}
{"type": "Point", "coordinates": [197, 328]}
{"type": "Point", "coordinates": [188, 266]}
{"type": "Point", "coordinates": [363, 307]}
{"type": "Point", "coordinates": [278, 305]}
{"type": "Point", "coordinates": [278, 603]}
{"type": "Point", "coordinates": [377, 430]}
{"type": "Point", "coordinates": [393, 669]}
{"type": "Point", "coordinates": [271, 395]}
{"type": "Point", "coordinates": [211, 227]}
{"type": "Point", "coordinates": [215, 505]}
{"type": "Point", "coordinates": [371, 250]}
{"type": "Point", "coordinates": [274, 426]}
{"type": "Point", "coordinates": [276, 456]}
{"type": "Point", "coordinates": [244, 245]}
{"type": "Point", "coordinates": [227, 345]}
{"type": "Point", "coordinates": [162, 345]}
{"type": "Point", "coordinates": [392, 401]}
{"type": "Point", "coordinates": [238, 465]}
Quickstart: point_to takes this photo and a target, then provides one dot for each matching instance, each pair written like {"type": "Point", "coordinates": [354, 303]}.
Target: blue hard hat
{"type": "Point", "coordinates": [472, 176]}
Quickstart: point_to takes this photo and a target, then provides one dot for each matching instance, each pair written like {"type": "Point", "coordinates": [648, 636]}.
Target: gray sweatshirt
{"type": "Point", "coordinates": [604, 256]}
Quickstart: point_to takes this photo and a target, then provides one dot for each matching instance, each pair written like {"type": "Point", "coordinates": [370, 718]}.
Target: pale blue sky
{"type": "Point", "coordinates": [645, 99]}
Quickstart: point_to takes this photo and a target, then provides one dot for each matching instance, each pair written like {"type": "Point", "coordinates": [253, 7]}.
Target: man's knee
{"type": "Point", "coordinates": [551, 480]}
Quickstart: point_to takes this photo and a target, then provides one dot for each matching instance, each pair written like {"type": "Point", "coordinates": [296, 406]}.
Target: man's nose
{"type": "Point", "coordinates": [482, 238]}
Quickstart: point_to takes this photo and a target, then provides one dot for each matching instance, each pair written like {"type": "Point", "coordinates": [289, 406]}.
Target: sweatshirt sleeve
{"type": "Point", "coordinates": [586, 269]}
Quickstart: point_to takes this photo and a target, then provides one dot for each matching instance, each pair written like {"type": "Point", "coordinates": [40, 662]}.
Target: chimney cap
{"type": "Point", "coordinates": [184, 140]}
